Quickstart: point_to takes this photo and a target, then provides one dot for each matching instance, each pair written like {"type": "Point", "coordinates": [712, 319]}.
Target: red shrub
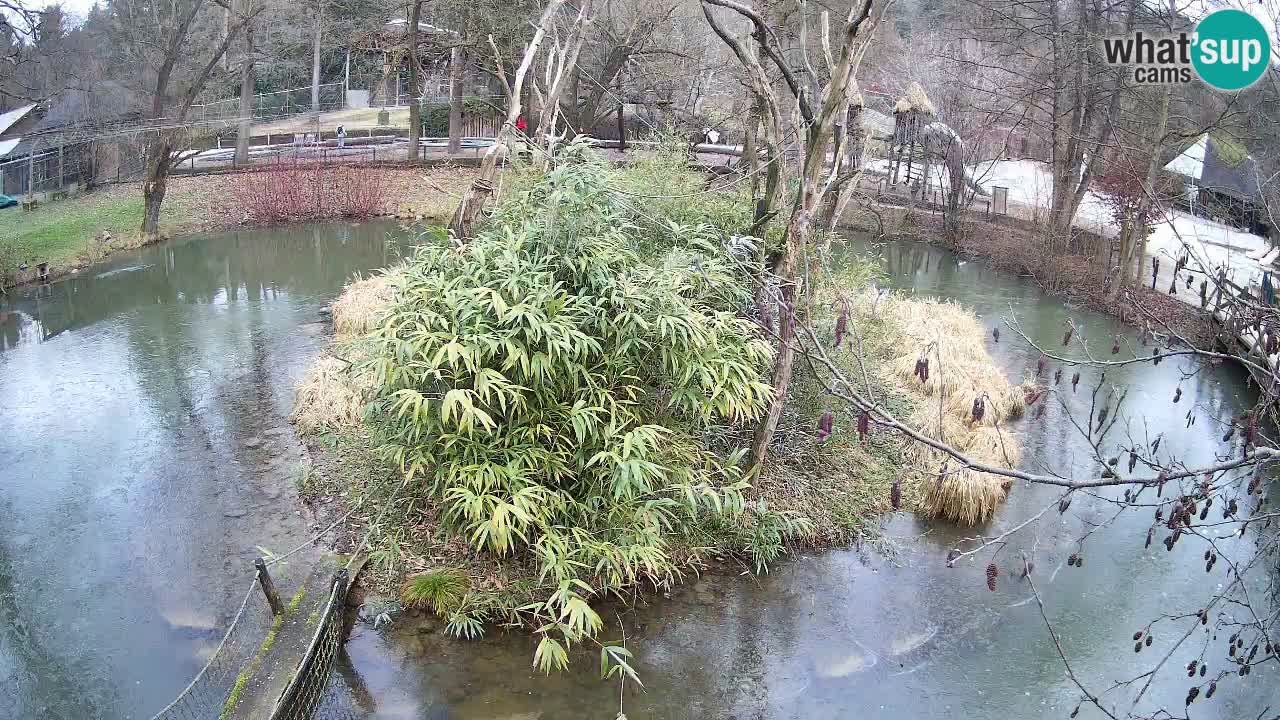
{"type": "Point", "coordinates": [1122, 190]}
{"type": "Point", "coordinates": [309, 191]}
{"type": "Point", "coordinates": [357, 191]}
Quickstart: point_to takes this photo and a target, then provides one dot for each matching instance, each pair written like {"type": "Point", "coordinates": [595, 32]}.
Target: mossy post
{"type": "Point", "coordinates": [268, 587]}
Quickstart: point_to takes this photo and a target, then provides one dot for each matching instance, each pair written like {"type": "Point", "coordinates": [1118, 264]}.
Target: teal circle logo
{"type": "Point", "coordinates": [1232, 50]}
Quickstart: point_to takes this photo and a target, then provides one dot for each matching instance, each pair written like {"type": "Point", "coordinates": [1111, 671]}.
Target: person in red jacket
{"type": "Point", "coordinates": [521, 125]}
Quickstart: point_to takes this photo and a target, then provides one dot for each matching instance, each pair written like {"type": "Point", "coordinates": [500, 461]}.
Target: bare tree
{"type": "Point", "coordinates": [477, 195]}
{"type": "Point", "coordinates": [457, 75]}
{"type": "Point", "coordinates": [559, 65]}
{"type": "Point", "coordinates": [415, 79]}
{"type": "Point", "coordinates": [1052, 67]}
{"type": "Point", "coordinates": [247, 82]}
{"type": "Point", "coordinates": [318, 27]}
{"type": "Point", "coordinates": [175, 54]}
{"type": "Point", "coordinates": [619, 34]}
{"type": "Point", "coordinates": [820, 109]}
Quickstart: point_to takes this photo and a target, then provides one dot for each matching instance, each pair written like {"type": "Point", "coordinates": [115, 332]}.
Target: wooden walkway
{"type": "Point", "coordinates": [1239, 312]}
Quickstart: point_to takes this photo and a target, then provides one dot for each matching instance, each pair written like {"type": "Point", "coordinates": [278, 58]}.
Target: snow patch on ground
{"type": "Point", "coordinates": [1211, 243]}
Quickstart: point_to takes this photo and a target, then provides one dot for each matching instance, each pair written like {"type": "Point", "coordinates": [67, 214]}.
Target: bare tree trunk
{"type": "Point", "coordinates": [464, 218]}
{"type": "Point", "coordinates": [1125, 269]}
{"type": "Point", "coordinates": [226, 30]}
{"type": "Point", "coordinates": [247, 80]}
{"type": "Point", "coordinates": [750, 163]}
{"type": "Point", "coordinates": [315, 66]}
{"type": "Point", "coordinates": [159, 157]}
{"type": "Point", "coordinates": [457, 74]}
{"type": "Point", "coordinates": [798, 235]}
{"type": "Point", "coordinates": [622, 122]}
{"type": "Point", "coordinates": [848, 169]}
{"type": "Point", "coordinates": [1137, 222]}
{"type": "Point", "coordinates": [954, 162]}
{"type": "Point", "coordinates": [415, 80]}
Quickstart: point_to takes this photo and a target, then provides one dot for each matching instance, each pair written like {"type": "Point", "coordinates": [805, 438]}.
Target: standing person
{"type": "Point", "coordinates": [521, 124]}
{"type": "Point", "coordinates": [342, 136]}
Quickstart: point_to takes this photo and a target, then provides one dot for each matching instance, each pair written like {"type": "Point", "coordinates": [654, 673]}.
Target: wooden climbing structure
{"type": "Point", "coordinates": [911, 114]}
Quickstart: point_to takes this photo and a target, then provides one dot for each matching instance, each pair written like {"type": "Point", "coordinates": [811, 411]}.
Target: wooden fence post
{"type": "Point", "coordinates": [268, 587]}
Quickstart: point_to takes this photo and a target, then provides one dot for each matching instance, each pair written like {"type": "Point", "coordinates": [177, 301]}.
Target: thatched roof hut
{"type": "Point", "coordinates": [915, 101]}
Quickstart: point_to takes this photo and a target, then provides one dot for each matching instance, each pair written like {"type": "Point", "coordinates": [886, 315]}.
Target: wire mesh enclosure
{"type": "Point", "coordinates": [47, 170]}
{"type": "Point", "coordinates": [276, 104]}
{"type": "Point", "coordinates": [305, 696]}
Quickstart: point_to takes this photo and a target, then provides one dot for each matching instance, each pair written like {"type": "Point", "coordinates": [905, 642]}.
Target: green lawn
{"type": "Point", "coordinates": [57, 232]}
{"type": "Point", "coordinates": [62, 233]}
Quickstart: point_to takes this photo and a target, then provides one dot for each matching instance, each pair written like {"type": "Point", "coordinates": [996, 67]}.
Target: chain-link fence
{"type": "Point", "coordinates": [47, 170]}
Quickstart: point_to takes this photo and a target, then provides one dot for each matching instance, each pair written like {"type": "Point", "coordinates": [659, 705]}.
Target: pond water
{"type": "Point", "coordinates": [850, 634]}
{"type": "Point", "coordinates": [145, 453]}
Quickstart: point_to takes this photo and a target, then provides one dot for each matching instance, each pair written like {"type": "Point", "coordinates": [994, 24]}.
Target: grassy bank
{"type": "Point", "coordinates": [77, 232]}
{"type": "Point", "coordinates": [69, 233]}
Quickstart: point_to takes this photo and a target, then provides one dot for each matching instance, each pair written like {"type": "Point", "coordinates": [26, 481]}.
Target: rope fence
{"type": "Point", "coordinates": [211, 688]}
{"type": "Point", "coordinates": [213, 693]}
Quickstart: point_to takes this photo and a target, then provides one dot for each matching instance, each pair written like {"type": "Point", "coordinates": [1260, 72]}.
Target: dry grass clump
{"type": "Point", "coordinates": [329, 396]}
{"type": "Point", "coordinates": [362, 304]}
{"type": "Point", "coordinates": [960, 371]}
{"type": "Point", "coordinates": [841, 481]}
{"type": "Point", "coordinates": [333, 393]}
{"type": "Point", "coordinates": [915, 99]}
{"type": "Point", "coordinates": [954, 343]}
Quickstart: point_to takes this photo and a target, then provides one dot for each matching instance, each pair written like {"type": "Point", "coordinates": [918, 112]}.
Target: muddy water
{"type": "Point", "coordinates": [145, 453]}
{"type": "Point", "coordinates": [845, 634]}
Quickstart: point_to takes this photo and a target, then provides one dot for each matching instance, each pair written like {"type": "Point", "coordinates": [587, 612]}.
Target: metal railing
{"type": "Point", "coordinates": [274, 104]}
